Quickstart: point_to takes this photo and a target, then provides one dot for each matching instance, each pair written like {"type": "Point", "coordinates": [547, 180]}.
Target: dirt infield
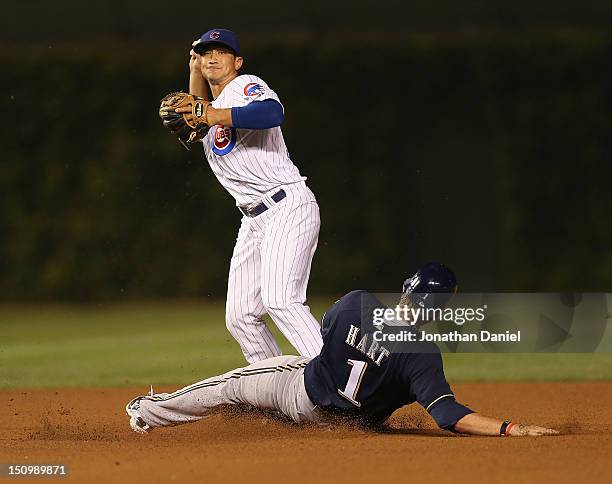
{"type": "Point", "coordinates": [88, 431]}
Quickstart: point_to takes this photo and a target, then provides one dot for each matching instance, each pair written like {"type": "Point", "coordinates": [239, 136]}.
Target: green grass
{"type": "Point", "coordinates": [177, 343]}
{"type": "Point", "coordinates": [528, 366]}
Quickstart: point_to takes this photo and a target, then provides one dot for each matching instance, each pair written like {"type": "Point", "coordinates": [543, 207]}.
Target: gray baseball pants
{"type": "Point", "coordinates": [272, 384]}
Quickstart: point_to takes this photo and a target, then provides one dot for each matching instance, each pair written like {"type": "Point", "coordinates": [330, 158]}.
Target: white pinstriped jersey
{"type": "Point", "coordinates": [248, 162]}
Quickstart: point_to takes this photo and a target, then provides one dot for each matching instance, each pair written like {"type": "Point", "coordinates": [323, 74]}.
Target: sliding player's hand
{"type": "Point", "coordinates": [519, 430]}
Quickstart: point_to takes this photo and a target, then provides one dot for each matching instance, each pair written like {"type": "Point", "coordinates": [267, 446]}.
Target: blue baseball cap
{"type": "Point", "coordinates": [217, 36]}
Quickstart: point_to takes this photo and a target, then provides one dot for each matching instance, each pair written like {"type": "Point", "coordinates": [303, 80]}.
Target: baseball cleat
{"type": "Point", "coordinates": [136, 421]}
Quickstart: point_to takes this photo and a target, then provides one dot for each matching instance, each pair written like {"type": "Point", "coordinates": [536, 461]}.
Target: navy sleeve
{"type": "Point", "coordinates": [433, 392]}
{"type": "Point", "coordinates": [258, 115]}
{"type": "Point", "coordinates": [447, 412]}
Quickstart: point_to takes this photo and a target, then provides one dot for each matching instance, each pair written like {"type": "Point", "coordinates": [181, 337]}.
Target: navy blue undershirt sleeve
{"type": "Point", "coordinates": [433, 392]}
{"type": "Point", "coordinates": [258, 115]}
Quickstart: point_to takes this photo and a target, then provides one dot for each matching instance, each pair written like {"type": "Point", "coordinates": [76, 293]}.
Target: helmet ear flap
{"type": "Point", "coordinates": [411, 284]}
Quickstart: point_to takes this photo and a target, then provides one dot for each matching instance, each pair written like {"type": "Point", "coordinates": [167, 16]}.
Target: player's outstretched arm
{"type": "Point", "coordinates": [476, 424]}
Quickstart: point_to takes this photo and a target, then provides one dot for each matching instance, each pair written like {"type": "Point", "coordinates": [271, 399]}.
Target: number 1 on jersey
{"type": "Point", "coordinates": [352, 385]}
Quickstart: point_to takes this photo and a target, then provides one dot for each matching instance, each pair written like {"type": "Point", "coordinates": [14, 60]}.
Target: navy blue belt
{"type": "Point", "coordinates": [262, 207]}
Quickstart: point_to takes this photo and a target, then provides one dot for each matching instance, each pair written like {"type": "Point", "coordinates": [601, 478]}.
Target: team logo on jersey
{"type": "Point", "coordinates": [223, 139]}
{"type": "Point", "coordinates": [253, 89]}
{"type": "Point", "coordinates": [214, 35]}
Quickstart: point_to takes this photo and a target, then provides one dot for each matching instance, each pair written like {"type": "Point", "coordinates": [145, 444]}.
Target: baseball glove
{"type": "Point", "coordinates": [188, 127]}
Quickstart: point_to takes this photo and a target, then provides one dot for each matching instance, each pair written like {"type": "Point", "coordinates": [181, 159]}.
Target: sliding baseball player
{"type": "Point", "coordinates": [355, 378]}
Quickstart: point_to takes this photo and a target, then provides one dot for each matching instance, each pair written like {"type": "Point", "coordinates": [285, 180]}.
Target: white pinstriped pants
{"type": "Point", "coordinates": [269, 273]}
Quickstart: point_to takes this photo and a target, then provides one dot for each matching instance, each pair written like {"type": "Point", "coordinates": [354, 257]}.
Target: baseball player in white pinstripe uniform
{"type": "Point", "coordinates": [270, 266]}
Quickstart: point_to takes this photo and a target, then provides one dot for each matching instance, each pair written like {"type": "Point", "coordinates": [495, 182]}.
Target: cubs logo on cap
{"type": "Point", "coordinates": [214, 35]}
{"type": "Point", "coordinates": [253, 89]}
{"type": "Point", "coordinates": [223, 139]}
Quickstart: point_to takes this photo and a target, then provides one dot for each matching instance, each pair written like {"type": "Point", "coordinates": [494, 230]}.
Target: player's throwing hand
{"type": "Point", "coordinates": [195, 62]}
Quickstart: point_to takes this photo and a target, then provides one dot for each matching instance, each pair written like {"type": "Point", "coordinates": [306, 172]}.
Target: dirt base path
{"type": "Point", "coordinates": [88, 431]}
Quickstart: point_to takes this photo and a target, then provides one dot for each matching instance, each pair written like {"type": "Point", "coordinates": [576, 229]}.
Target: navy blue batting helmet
{"type": "Point", "coordinates": [432, 286]}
